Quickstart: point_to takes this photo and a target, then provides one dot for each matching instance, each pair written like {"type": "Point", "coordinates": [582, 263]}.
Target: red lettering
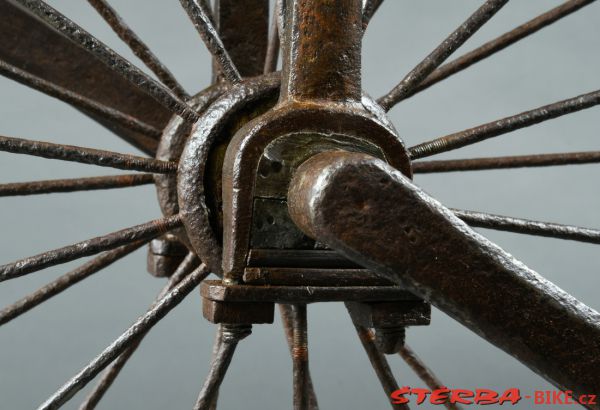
{"type": "Point", "coordinates": [557, 397]}
{"type": "Point", "coordinates": [439, 396]}
{"type": "Point", "coordinates": [569, 397]}
{"type": "Point", "coordinates": [421, 394]}
{"type": "Point", "coordinates": [460, 396]}
{"type": "Point", "coordinates": [397, 396]}
{"type": "Point", "coordinates": [512, 396]}
{"type": "Point", "coordinates": [484, 397]}
{"type": "Point", "coordinates": [538, 397]}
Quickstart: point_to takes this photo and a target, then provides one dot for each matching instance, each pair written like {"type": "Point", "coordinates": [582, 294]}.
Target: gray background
{"type": "Point", "coordinates": [45, 347]}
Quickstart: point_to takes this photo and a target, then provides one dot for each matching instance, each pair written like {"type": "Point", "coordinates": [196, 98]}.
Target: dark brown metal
{"type": "Point", "coordinates": [85, 155]}
{"type": "Point", "coordinates": [59, 61]}
{"type": "Point", "coordinates": [110, 375]}
{"type": "Point", "coordinates": [75, 184]}
{"type": "Point", "coordinates": [200, 16]}
{"type": "Point", "coordinates": [424, 373]}
{"type": "Point", "coordinates": [171, 145]}
{"type": "Point", "coordinates": [243, 27]}
{"type": "Point", "coordinates": [239, 313]}
{"type": "Point", "coordinates": [216, 290]}
{"type": "Point", "coordinates": [199, 180]}
{"type": "Point", "coordinates": [102, 52]}
{"type": "Point", "coordinates": [165, 255]}
{"type": "Point", "coordinates": [89, 247]}
{"type": "Point", "coordinates": [520, 161]}
{"type": "Point", "coordinates": [504, 125]}
{"type": "Point", "coordinates": [300, 357]}
{"type": "Point", "coordinates": [65, 281]}
{"type": "Point", "coordinates": [299, 258]}
{"type": "Point", "coordinates": [273, 44]}
{"type": "Point", "coordinates": [375, 216]}
{"type": "Point", "coordinates": [498, 44]}
{"type": "Point", "coordinates": [77, 100]}
{"type": "Point", "coordinates": [529, 227]}
{"type": "Point", "coordinates": [369, 10]}
{"type": "Point", "coordinates": [138, 47]}
{"type": "Point", "coordinates": [313, 277]}
{"type": "Point", "coordinates": [321, 59]}
{"type": "Point", "coordinates": [286, 321]}
{"type": "Point", "coordinates": [378, 362]}
{"type": "Point", "coordinates": [140, 327]}
{"type": "Point", "coordinates": [231, 335]}
{"type": "Point", "coordinates": [390, 319]}
{"type": "Point", "coordinates": [441, 53]}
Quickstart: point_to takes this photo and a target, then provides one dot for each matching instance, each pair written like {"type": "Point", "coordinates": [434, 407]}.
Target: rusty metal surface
{"type": "Point", "coordinates": [199, 176]}
{"type": "Point", "coordinates": [273, 43]}
{"type": "Point", "coordinates": [65, 281]}
{"type": "Point", "coordinates": [34, 47]}
{"type": "Point", "coordinates": [498, 44]}
{"type": "Point", "coordinates": [74, 184]}
{"type": "Point", "coordinates": [300, 372]}
{"type": "Point", "coordinates": [231, 335]}
{"type": "Point", "coordinates": [85, 155]}
{"type": "Point", "coordinates": [200, 16]}
{"type": "Point", "coordinates": [456, 39]}
{"type": "Point", "coordinates": [374, 215]}
{"type": "Point", "coordinates": [424, 373]}
{"type": "Point", "coordinates": [378, 361]}
{"type": "Point", "coordinates": [240, 313]}
{"type": "Point", "coordinates": [527, 226]}
{"type": "Point", "coordinates": [369, 10]}
{"type": "Point", "coordinates": [165, 255]}
{"type": "Point", "coordinates": [189, 263]}
{"type": "Point", "coordinates": [107, 56]}
{"type": "Point", "coordinates": [216, 290]}
{"type": "Point", "coordinates": [89, 247]}
{"type": "Point", "coordinates": [138, 47]}
{"type": "Point", "coordinates": [518, 161]}
{"type": "Point", "coordinates": [245, 150]}
{"type": "Point", "coordinates": [286, 320]}
{"type": "Point", "coordinates": [101, 110]}
{"type": "Point", "coordinates": [243, 27]}
{"type": "Point", "coordinates": [321, 51]}
{"type": "Point", "coordinates": [505, 125]}
{"type": "Point", "coordinates": [139, 328]}
{"type": "Point", "coordinates": [313, 277]}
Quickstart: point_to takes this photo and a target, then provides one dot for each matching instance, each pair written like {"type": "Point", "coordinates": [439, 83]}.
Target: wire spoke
{"type": "Point", "coordinates": [520, 161]}
{"type": "Point", "coordinates": [441, 53]}
{"type": "Point", "coordinates": [65, 281]}
{"type": "Point", "coordinates": [529, 227]}
{"type": "Point", "coordinates": [77, 100]}
{"type": "Point", "coordinates": [91, 401]}
{"type": "Point", "coordinates": [300, 357]}
{"type": "Point", "coordinates": [86, 155]}
{"type": "Point", "coordinates": [148, 230]}
{"type": "Point", "coordinates": [378, 361]}
{"type": "Point", "coordinates": [504, 125]}
{"type": "Point", "coordinates": [137, 46]}
{"type": "Point", "coordinates": [369, 10]}
{"type": "Point", "coordinates": [287, 322]}
{"type": "Point", "coordinates": [231, 335]}
{"type": "Point", "coordinates": [498, 44]}
{"type": "Point", "coordinates": [141, 326]}
{"type": "Point", "coordinates": [426, 375]}
{"type": "Point", "coordinates": [75, 184]}
{"type": "Point", "coordinates": [109, 57]}
{"type": "Point", "coordinates": [273, 44]}
{"type": "Point", "coordinates": [200, 16]}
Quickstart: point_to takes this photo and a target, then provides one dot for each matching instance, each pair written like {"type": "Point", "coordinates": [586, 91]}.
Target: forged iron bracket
{"type": "Point", "coordinates": [375, 216]}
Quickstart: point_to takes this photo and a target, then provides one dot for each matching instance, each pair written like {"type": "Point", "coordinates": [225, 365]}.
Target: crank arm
{"type": "Point", "coordinates": [377, 217]}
